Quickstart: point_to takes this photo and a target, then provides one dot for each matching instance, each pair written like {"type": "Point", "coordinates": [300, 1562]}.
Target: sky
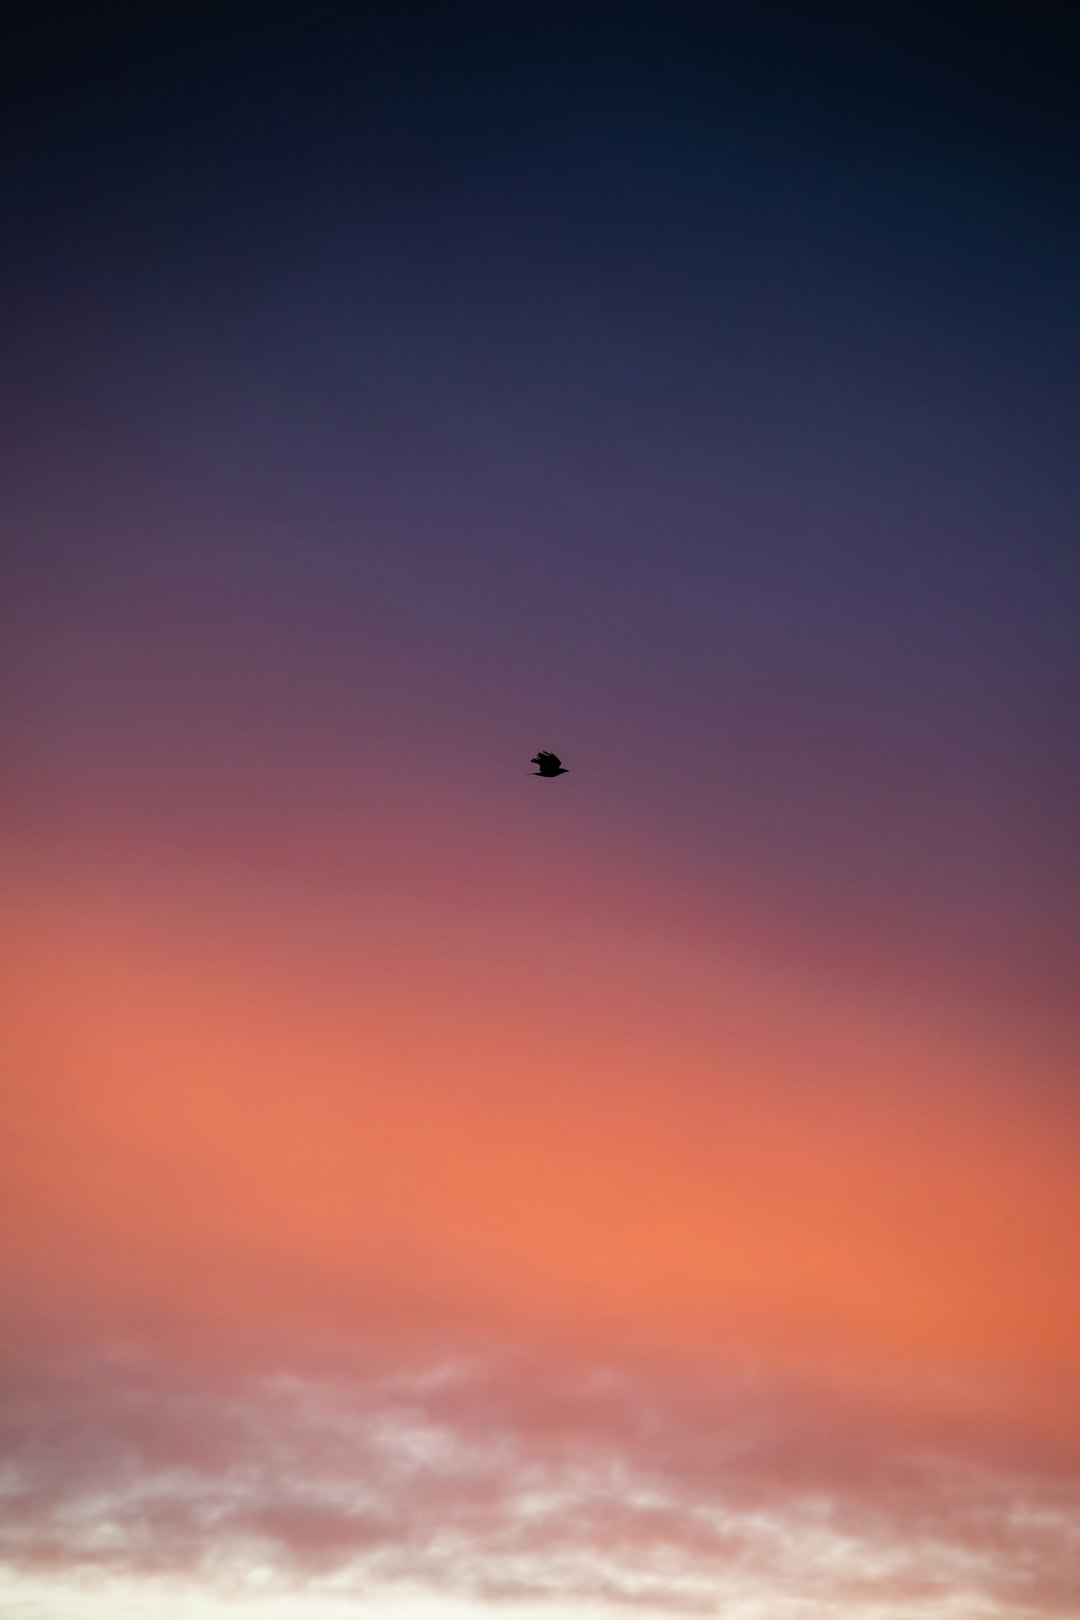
{"type": "Point", "coordinates": [436, 1193]}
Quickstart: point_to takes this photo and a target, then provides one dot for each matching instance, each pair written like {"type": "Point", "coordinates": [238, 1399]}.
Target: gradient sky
{"type": "Point", "coordinates": [434, 1193]}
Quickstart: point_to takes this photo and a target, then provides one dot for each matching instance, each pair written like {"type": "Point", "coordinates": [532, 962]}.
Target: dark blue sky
{"type": "Point", "coordinates": [695, 385]}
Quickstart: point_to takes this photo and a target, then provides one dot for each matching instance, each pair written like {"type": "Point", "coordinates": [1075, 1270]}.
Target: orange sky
{"type": "Point", "coordinates": [240, 1148]}
{"type": "Point", "coordinates": [691, 1149]}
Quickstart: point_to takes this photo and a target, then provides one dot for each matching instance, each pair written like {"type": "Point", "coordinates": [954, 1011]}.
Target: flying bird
{"type": "Point", "coordinates": [550, 764]}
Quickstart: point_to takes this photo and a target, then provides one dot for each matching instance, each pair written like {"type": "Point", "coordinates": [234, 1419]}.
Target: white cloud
{"type": "Point", "coordinates": [527, 1488]}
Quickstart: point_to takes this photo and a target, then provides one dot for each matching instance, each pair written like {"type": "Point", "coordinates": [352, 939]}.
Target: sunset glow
{"type": "Point", "coordinates": [432, 1191]}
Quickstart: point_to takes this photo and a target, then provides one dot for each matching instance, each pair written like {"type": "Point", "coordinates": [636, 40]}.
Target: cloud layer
{"type": "Point", "coordinates": [507, 1478]}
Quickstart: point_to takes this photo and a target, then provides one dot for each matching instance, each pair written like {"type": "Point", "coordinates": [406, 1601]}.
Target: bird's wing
{"type": "Point", "coordinates": [542, 758]}
{"type": "Point", "coordinates": [553, 760]}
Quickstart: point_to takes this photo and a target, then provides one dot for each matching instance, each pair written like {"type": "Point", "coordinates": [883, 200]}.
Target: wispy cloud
{"type": "Point", "coordinates": [507, 1478]}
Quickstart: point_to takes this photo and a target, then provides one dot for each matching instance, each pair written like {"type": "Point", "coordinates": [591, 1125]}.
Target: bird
{"type": "Point", "coordinates": [550, 764]}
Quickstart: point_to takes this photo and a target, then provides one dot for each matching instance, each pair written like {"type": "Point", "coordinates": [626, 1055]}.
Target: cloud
{"type": "Point", "coordinates": [496, 1477]}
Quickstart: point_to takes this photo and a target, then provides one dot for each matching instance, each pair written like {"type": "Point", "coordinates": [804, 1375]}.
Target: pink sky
{"type": "Point", "coordinates": [343, 1261]}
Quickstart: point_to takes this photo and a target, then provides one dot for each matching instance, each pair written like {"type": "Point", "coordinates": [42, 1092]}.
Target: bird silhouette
{"type": "Point", "coordinates": [550, 764]}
